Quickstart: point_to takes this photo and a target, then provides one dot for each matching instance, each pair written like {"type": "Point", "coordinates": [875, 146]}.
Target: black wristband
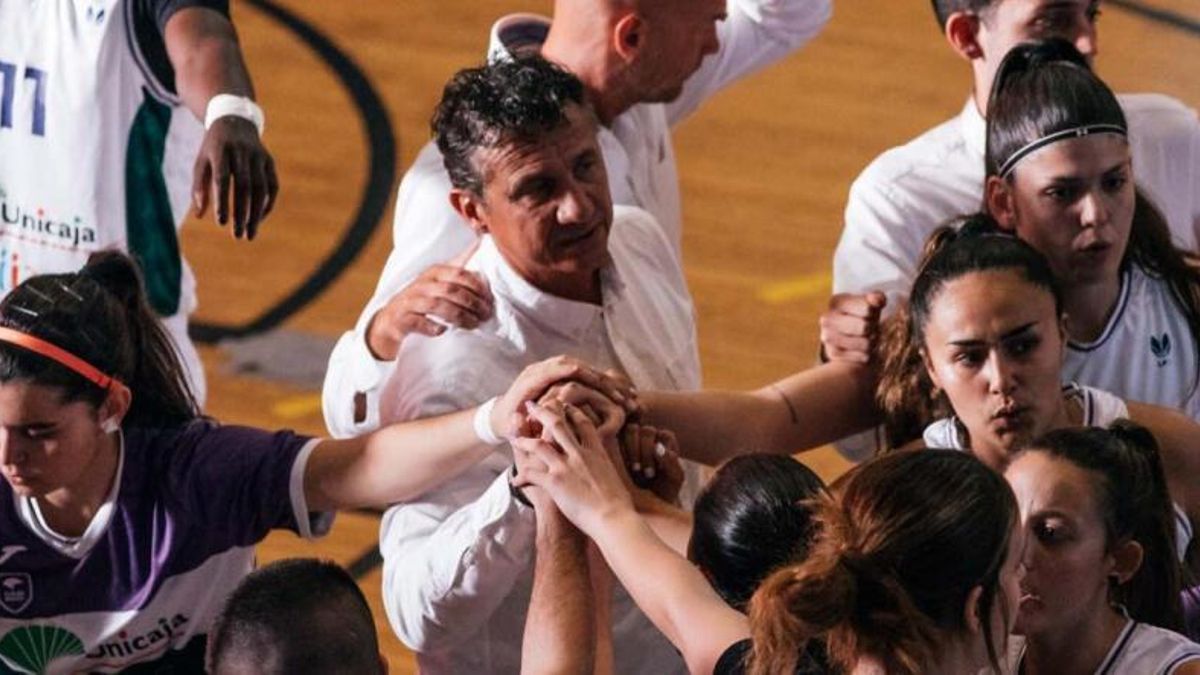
{"type": "Point", "coordinates": [516, 492]}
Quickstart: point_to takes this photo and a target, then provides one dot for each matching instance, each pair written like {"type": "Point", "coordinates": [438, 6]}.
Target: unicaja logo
{"type": "Point", "coordinates": [42, 227]}
{"type": "Point", "coordinates": [32, 649]}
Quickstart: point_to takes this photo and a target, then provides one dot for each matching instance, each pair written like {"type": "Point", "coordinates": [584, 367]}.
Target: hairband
{"type": "Point", "coordinates": [1075, 132]}
{"type": "Point", "coordinates": [59, 355]}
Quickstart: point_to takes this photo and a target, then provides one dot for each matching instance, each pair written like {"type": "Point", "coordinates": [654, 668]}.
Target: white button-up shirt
{"type": "Point", "coordinates": [458, 561]}
{"type": "Point", "coordinates": [637, 154]}
{"type": "Point", "coordinates": [911, 190]}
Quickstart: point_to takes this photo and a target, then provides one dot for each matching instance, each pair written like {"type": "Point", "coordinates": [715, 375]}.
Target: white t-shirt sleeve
{"type": "Point", "coordinates": [755, 34]}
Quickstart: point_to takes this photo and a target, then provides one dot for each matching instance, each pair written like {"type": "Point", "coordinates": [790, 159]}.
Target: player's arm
{"type": "Point", "coordinates": [233, 169]}
{"type": "Point", "coordinates": [801, 411]}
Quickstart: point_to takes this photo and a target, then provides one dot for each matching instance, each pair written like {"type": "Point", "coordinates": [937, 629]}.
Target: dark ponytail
{"type": "Point", "coordinates": [751, 518]}
{"type": "Point", "coordinates": [892, 566]}
{"type": "Point", "coordinates": [1045, 87]}
{"type": "Point", "coordinates": [905, 393]}
{"type": "Point", "coordinates": [1131, 491]}
{"type": "Point", "coordinates": [101, 315]}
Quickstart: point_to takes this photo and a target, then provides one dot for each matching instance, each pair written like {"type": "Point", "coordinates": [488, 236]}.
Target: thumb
{"type": "Point", "coordinates": [876, 300]}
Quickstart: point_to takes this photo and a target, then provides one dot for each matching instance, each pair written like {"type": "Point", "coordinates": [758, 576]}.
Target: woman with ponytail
{"type": "Point", "coordinates": [1059, 175]}
{"type": "Point", "coordinates": [915, 571]}
{"type": "Point", "coordinates": [126, 518]}
{"type": "Point", "coordinates": [982, 343]}
{"type": "Point", "coordinates": [1101, 588]}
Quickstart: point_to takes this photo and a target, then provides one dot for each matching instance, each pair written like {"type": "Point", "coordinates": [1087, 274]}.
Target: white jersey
{"type": "Point", "coordinates": [1145, 353]}
{"type": "Point", "coordinates": [95, 152]}
{"type": "Point", "coordinates": [1100, 409]}
{"type": "Point", "coordinates": [1140, 649]}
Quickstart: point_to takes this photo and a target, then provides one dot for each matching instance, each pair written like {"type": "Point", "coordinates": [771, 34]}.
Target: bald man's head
{"type": "Point", "coordinates": [633, 51]}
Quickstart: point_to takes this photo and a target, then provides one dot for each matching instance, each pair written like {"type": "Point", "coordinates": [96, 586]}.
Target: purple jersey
{"type": "Point", "coordinates": [146, 579]}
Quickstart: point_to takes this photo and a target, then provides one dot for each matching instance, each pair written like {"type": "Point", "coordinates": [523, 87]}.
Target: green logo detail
{"type": "Point", "coordinates": [30, 649]}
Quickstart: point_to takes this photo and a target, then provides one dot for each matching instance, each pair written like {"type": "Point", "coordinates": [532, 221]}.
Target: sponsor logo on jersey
{"type": "Point", "coordinates": [1161, 348]}
{"type": "Point", "coordinates": [43, 227]}
{"type": "Point", "coordinates": [32, 649]}
{"type": "Point", "coordinates": [16, 591]}
{"type": "Point", "coordinates": [155, 639]}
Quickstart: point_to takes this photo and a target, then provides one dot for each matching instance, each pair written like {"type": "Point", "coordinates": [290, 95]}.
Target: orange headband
{"type": "Point", "coordinates": [58, 354]}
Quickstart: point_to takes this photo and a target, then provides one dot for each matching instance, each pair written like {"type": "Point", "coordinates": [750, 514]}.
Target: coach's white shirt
{"type": "Point", "coordinates": [458, 561]}
{"type": "Point", "coordinates": [637, 154]}
{"type": "Point", "coordinates": [909, 191]}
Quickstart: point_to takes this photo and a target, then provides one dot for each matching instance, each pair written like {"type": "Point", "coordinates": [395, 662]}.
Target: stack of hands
{"type": "Point", "coordinates": [579, 446]}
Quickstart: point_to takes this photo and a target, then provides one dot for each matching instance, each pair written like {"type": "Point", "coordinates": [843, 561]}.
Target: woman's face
{"type": "Point", "coordinates": [1067, 560]}
{"type": "Point", "coordinates": [993, 344]}
{"type": "Point", "coordinates": [1073, 201]}
{"type": "Point", "coordinates": [46, 445]}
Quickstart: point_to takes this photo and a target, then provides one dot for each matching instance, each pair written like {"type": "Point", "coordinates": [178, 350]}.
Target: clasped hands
{"type": "Point", "coordinates": [580, 443]}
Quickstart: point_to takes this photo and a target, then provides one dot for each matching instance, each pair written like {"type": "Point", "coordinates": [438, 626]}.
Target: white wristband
{"type": "Point", "coordinates": [224, 105]}
{"type": "Point", "coordinates": [483, 423]}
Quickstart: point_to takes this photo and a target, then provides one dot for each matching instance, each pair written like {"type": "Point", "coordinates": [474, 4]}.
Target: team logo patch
{"type": "Point", "coordinates": [31, 649]}
{"type": "Point", "coordinates": [16, 591]}
{"type": "Point", "coordinates": [1161, 348]}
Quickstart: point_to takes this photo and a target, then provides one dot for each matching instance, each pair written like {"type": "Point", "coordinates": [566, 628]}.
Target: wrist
{"type": "Point", "coordinates": [231, 105]}
{"type": "Point", "coordinates": [482, 421]}
{"type": "Point", "coordinates": [382, 347]}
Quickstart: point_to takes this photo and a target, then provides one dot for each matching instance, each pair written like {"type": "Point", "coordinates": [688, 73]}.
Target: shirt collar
{"type": "Point", "coordinates": [517, 299]}
{"type": "Point", "coordinates": [974, 127]}
{"type": "Point", "coordinates": [515, 34]}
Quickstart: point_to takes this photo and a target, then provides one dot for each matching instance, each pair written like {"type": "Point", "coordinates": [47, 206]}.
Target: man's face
{"type": "Point", "coordinates": [1007, 23]}
{"type": "Point", "coordinates": [678, 35]}
{"type": "Point", "coordinates": [546, 202]}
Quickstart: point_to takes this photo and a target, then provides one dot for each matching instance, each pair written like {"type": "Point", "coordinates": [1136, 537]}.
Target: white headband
{"type": "Point", "coordinates": [1076, 132]}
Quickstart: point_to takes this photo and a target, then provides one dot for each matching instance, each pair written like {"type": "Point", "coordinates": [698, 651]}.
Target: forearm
{"type": "Point", "coordinates": [560, 626]}
{"type": "Point", "coordinates": [671, 524]}
{"type": "Point", "coordinates": [393, 464]}
{"type": "Point", "coordinates": [204, 52]}
{"type": "Point", "coordinates": [800, 412]}
{"type": "Point", "coordinates": [671, 592]}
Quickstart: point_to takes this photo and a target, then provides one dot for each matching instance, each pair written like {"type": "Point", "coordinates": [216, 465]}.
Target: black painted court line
{"type": "Point", "coordinates": [363, 564]}
{"type": "Point", "coordinates": [1174, 19]}
{"type": "Point", "coordinates": [381, 146]}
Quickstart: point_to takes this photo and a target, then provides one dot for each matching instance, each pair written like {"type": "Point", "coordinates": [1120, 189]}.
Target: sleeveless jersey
{"type": "Point", "coordinates": [1146, 351]}
{"type": "Point", "coordinates": [1100, 409]}
{"type": "Point", "coordinates": [95, 152]}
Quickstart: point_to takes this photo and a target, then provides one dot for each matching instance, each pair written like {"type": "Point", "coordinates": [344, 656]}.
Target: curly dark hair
{"type": "Point", "coordinates": [513, 100]}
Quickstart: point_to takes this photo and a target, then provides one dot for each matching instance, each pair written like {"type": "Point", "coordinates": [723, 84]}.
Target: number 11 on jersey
{"type": "Point", "coordinates": [8, 90]}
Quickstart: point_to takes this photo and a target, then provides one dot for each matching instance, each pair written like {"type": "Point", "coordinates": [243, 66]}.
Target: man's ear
{"type": "Point", "coordinates": [628, 36]}
{"type": "Point", "coordinates": [1126, 560]}
{"type": "Point", "coordinates": [1000, 202]}
{"type": "Point", "coordinates": [469, 205]}
{"type": "Point", "coordinates": [971, 610]}
{"type": "Point", "coordinates": [962, 32]}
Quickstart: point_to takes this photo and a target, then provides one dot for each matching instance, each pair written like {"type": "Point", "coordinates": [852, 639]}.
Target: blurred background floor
{"type": "Point", "coordinates": [764, 167]}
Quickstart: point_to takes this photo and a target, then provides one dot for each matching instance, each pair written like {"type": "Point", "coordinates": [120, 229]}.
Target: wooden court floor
{"type": "Point", "coordinates": [764, 168]}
